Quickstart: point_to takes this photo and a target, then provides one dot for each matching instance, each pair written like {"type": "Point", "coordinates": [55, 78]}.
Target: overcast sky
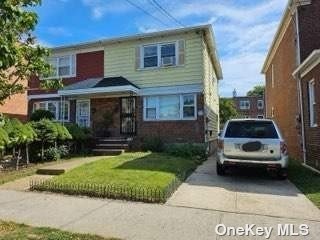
{"type": "Point", "coordinates": [244, 29]}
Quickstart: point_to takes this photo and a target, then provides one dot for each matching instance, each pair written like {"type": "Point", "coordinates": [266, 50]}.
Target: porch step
{"type": "Point", "coordinates": [108, 152]}
{"type": "Point", "coordinates": [112, 145]}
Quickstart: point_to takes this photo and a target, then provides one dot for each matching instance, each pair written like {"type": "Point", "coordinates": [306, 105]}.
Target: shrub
{"type": "Point", "coordinates": [4, 138]}
{"type": "Point", "coordinates": [187, 150]}
{"type": "Point", "coordinates": [79, 134]}
{"type": "Point", "coordinates": [40, 114]}
{"type": "Point", "coordinates": [52, 154]}
{"type": "Point", "coordinates": [63, 151]}
{"type": "Point", "coordinates": [153, 144]}
{"type": "Point", "coordinates": [62, 132]}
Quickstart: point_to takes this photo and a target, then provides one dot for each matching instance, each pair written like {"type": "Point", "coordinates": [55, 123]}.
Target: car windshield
{"type": "Point", "coordinates": [251, 129]}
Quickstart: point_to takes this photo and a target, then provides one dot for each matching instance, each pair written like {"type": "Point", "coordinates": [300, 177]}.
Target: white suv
{"type": "Point", "coordinates": [252, 142]}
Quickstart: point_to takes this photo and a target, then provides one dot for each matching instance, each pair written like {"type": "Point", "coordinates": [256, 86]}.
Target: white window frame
{"type": "Point", "coordinates": [181, 118]}
{"type": "Point", "coordinates": [312, 103]}
{"type": "Point", "coordinates": [89, 112]}
{"type": "Point", "coordinates": [58, 110]}
{"type": "Point", "coordinates": [72, 64]}
{"type": "Point", "coordinates": [244, 107]}
{"type": "Point", "coordinates": [159, 45]}
{"type": "Point", "coordinates": [262, 103]}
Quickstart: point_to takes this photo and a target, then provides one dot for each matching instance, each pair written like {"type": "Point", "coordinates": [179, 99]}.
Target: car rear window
{"type": "Point", "coordinates": [251, 129]}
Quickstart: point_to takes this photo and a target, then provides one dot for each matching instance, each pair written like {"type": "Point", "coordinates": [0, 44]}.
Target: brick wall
{"type": "Point", "coordinates": [88, 65]}
{"type": "Point", "coordinates": [171, 131]}
{"type": "Point", "coordinates": [283, 97]}
{"type": "Point", "coordinates": [253, 112]}
{"type": "Point", "coordinates": [309, 28]}
{"type": "Point", "coordinates": [312, 134]}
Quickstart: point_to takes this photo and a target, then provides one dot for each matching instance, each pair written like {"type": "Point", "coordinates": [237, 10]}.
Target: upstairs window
{"type": "Point", "coordinates": [260, 104]}
{"type": "Point", "coordinates": [244, 104]}
{"type": "Point", "coordinates": [159, 55]}
{"type": "Point", "coordinates": [63, 66]}
{"type": "Point", "coordinates": [312, 104]}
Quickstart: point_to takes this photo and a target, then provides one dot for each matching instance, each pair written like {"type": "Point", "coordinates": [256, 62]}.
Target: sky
{"type": "Point", "coordinates": [243, 29]}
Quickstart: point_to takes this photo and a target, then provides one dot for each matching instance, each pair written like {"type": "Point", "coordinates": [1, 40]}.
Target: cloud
{"type": "Point", "coordinates": [59, 32]}
{"type": "Point", "coordinates": [99, 8]}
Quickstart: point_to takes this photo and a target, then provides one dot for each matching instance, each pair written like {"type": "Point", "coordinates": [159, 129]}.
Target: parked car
{"type": "Point", "coordinates": [252, 143]}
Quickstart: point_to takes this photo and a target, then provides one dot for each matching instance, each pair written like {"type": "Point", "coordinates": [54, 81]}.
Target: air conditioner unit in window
{"type": "Point", "coordinates": [167, 61]}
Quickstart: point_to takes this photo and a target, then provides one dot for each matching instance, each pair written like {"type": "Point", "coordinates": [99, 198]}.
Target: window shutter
{"type": "Point", "coordinates": [73, 64]}
{"type": "Point", "coordinates": [181, 54]}
{"type": "Point", "coordinates": [138, 57]}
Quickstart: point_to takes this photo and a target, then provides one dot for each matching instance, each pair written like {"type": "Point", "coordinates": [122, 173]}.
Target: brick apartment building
{"type": "Point", "coordinates": [249, 106]}
{"type": "Point", "coordinates": [292, 80]}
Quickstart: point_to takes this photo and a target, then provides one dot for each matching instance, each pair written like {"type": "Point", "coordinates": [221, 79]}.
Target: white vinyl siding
{"type": "Point", "coordinates": [63, 66]}
{"type": "Point", "coordinates": [170, 107]}
{"type": "Point", "coordinates": [60, 110]}
{"type": "Point", "coordinates": [312, 104]}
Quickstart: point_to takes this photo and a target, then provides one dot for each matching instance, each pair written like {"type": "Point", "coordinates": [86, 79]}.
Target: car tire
{"type": "Point", "coordinates": [282, 174]}
{"type": "Point", "coordinates": [220, 169]}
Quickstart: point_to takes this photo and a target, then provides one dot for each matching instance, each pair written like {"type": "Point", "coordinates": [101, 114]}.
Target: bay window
{"type": "Point", "coordinates": [170, 107]}
{"type": "Point", "coordinates": [60, 110]}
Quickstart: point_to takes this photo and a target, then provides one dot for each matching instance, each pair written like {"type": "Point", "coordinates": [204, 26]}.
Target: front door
{"type": "Point", "coordinates": [83, 113]}
{"type": "Point", "coordinates": [128, 115]}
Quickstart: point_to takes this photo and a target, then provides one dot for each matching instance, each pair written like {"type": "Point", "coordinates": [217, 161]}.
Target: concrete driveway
{"type": "Point", "coordinates": [249, 193]}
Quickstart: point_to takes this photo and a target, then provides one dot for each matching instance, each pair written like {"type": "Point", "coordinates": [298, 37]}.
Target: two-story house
{"type": "Point", "coordinates": [292, 86]}
{"type": "Point", "coordinates": [162, 84]}
{"type": "Point", "coordinates": [249, 106]}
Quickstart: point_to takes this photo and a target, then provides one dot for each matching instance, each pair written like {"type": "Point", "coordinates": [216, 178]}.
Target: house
{"type": "Point", "coordinates": [249, 106]}
{"type": "Point", "coordinates": [290, 67]}
{"type": "Point", "coordinates": [162, 84]}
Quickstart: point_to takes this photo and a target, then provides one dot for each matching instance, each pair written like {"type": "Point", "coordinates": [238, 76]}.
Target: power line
{"type": "Point", "coordinates": [158, 5]}
{"type": "Point", "coordinates": [146, 12]}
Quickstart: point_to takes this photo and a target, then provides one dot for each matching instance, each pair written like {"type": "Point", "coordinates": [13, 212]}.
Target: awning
{"type": "Point", "coordinates": [114, 85]}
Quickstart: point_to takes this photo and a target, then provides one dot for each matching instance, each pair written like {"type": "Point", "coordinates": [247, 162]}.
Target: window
{"type": "Point", "coordinates": [244, 104]}
{"type": "Point", "coordinates": [159, 55]}
{"type": "Point", "coordinates": [60, 110]}
{"type": "Point", "coordinates": [272, 76]}
{"type": "Point", "coordinates": [260, 104]}
{"type": "Point", "coordinates": [63, 66]}
{"type": "Point", "coordinates": [272, 112]}
{"type": "Point", "coordinates": [170, 107]}
{"type": "Point", "coordinates": [312, 104]}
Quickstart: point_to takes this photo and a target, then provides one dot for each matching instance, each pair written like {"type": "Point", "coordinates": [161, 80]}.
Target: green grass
{"type": "Point", "coordinates": [13, 231]}
{"type": "Point", "coordinates": [152, 170]}
{"type": "Point", "coordinates": [307, 181]}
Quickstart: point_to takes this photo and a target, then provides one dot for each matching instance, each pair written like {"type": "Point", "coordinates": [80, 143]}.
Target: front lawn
{"type": "Point", "coordinates": [13, 231]}
{"type": "Point", "coordinates": [306, 180]}
{"type": "Point", "coordinates": [135, 176]}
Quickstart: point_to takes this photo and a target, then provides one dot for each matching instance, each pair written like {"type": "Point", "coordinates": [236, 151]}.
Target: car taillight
{"type": "Point", "coordinates": [284, 148]}
{"type": "Point", "coordinates": [220, 144]}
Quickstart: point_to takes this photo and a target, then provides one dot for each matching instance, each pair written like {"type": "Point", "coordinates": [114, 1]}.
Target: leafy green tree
{"type": "Point", "coordinates": [20, 58]}
{"type": "Point", "coordinates": [31, 136]}
{"type": "Point", "coordinates": [4, 139]}
{"type": "Point", "coordinates": [257, 91]}
{"type": "Point", "coordinates": [46, 132]}
{"type": "Point", "coordinates": [62, 133]}
{"type": "Point", "coordinates": [227, 110]}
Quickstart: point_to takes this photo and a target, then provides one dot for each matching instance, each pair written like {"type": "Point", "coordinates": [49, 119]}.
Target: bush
{"type": "Point", "coordinates": [79, 134]}
{"type": "Point", "coordinates": [153, 144]}
{"type": "Point", "coordinates": [4, 138]}
{"type": "Point", "coordinates": [187, 150]}
{"type": "Point", "coordinates": [63, 151]}
{"type": "Point", "coordinates": [51, 154]}
{"type": "Point", "coordinates": [40, 114]}
{"type": "Point", "coordinates": [62, 132]}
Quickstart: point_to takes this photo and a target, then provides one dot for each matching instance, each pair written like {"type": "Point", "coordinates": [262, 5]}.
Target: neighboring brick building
{"type": "Point", "coordinates": [249, 107]}
{"type": "Point", "coordinates": [297, 37]}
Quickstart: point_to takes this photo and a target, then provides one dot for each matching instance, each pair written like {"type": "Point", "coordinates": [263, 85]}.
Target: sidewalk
{"type": "Point", "coordinates": [22, 184]}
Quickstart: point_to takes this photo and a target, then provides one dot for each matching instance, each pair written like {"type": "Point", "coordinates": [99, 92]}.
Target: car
{"type": "Point", "coordinates": [252, 143]}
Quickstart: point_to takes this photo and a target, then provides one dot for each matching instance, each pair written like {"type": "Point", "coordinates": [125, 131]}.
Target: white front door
{"type": "Point", "coordinates": [83, 113]}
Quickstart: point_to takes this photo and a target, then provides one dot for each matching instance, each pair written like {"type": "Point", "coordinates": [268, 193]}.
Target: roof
{"type": "Point", "coordinates": [308, 64]}
{"type": "Point", "coordinates": [207, 29]}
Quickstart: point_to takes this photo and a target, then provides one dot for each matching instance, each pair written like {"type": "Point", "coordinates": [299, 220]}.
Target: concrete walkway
{"type": "Point", "coordinates": [22, 184]}
{"type": "Point", "coordinates": [250, 193]}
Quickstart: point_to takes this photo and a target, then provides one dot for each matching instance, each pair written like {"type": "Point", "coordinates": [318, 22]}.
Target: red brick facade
{"type": "Point", "coordinates": [282, 93]}
{"type": "Point", "coordinates": [312, 134]}
{"type": "Point", "coordinates": [88, 65]}
{"type": "Point", "coordinates": [253, 111]}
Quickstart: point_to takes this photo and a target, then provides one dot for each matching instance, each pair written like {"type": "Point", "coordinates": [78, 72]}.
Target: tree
{"type": "Point", "coordinates": [257, 91]}
{"type": "Point", "coordinates": [21, 58]}
{"type": "Point", "coordinates": [227, 110]}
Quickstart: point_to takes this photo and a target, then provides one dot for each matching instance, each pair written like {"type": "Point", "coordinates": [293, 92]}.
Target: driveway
{"type": "Point", "coordinates": [249, 193]}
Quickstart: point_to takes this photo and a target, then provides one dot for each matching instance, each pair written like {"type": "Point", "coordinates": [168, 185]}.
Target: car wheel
{"type": "Point", "coordinates": [282, 174]}
{"type": "Point", "coordinates": [220, 169]}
